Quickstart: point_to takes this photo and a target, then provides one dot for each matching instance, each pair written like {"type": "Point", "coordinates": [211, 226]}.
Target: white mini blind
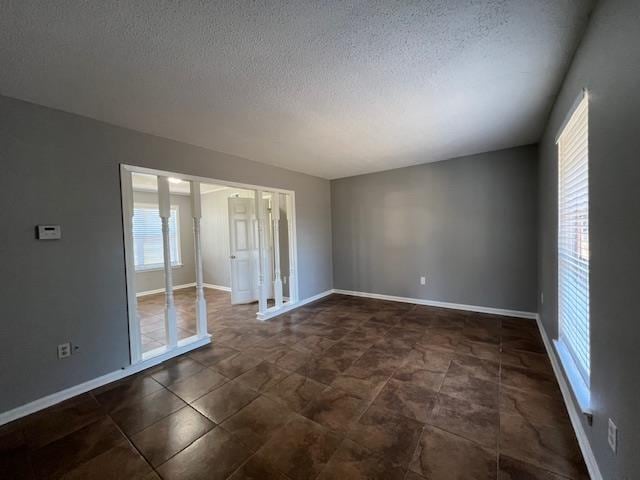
{"type": "Point", "coordinates": [147, 237]}
{"type": "Point", "coordinates": [573, 237]}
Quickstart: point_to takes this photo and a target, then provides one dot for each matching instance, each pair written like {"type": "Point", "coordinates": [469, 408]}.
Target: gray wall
{"type": "Point", "coordinates": [62, 168]}
{"type": "Point", "coordinates": [467, 224]}
{"type": "Point", "coordinates": [154, 279]}
{"type": "Point", "coordinates": [608, 64]}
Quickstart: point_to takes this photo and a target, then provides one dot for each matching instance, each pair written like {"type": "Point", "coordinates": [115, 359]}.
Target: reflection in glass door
{"type": "Point", "coordinates": [162, 219]}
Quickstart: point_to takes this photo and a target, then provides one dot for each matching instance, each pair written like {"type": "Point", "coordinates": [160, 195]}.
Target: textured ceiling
{"type": "Point", "coordinates": [328, 88]}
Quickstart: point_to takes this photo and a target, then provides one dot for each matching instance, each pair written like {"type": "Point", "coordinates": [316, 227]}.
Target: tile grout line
{"type": "Point", "coordinates": [165, 387]}
{"type": "Point", "coordinates": [343, 436]}
{"type": "Point", "coordinates": [131, 444]}
{"type": "Point", "coordinates": [373, 399]}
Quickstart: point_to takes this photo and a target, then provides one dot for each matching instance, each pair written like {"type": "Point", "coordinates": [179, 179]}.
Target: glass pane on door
{"type": "Point", "coordinates": [148, 261]}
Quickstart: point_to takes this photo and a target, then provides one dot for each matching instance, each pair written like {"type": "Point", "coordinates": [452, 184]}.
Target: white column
{"type": "Point", "coordinates": [275, 215]}
{"type": "Point", "coordinates": [135, 337]}
{"type": "Point", "coordinates": [201, 305]}
{"type": "Point", "coordinates": [164, 201]}
{"type": "Point", "coordinates": [293, 279]}
{"type": "Point", "coordinates": [262, 294]}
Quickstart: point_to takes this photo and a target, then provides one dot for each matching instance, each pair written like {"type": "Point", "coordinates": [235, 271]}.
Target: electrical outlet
{"type": "Point", "coordinates": [423, 280]}
{"type": "Point", "coordinates": [612, 436]}
{"type": "Point", "coordinates": [64, 350]}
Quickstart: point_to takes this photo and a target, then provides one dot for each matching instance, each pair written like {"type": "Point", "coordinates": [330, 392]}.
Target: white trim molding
{"type": "Point", "coordinates": [581, 390]}
{"type": "Point", "coordinates": [434, 303]}
{"type": "Point", "coordinates": [184, 346]}
{"type": "Point", "coordinates": [575, 411]}
{"type": "Point", "coordinates": [158, 269]}
{"type": "Point", "coordinates": [184, 285]}
{"type": "Point", "coordinates": [287, 307]}
{"type": "Point", "coordinates": [160, 354]}
{"type": "Point", "coordinates": [161, 290]}
{"type": "Point", "coordinates": [216, 287]}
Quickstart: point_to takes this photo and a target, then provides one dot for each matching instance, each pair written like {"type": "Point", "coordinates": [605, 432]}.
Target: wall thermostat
{"type": "Point", "coordinates": [48, 232]}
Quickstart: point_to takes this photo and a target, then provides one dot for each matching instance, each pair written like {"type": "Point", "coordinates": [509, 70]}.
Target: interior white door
{"type": "Point", "coordinates": [243, 250]}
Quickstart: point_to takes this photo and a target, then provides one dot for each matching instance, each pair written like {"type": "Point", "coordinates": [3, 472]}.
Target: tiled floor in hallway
{"type": "Point", "coordinates": [345, 388]}
{"type": "Point", "coordinates": [151, 315]}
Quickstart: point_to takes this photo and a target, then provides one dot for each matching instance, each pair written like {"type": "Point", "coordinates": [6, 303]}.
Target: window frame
{"type": "Point", "coordinates": [177, 263]}
{"type": "Point", "coordinates": [579, 378]}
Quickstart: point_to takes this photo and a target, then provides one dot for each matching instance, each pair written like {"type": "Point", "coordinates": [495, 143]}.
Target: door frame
{"type": "Point", "coordinates": [126, 170]}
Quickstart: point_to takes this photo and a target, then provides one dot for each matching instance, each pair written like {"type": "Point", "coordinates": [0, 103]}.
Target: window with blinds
{"type": "Point", "coordinates": [147, 237]}
{"type": "Point", "coordinates": [573, 237]}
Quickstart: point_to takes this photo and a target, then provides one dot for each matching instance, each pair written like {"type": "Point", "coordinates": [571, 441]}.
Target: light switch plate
{"type": "Point", "coordinates": [49, 232]}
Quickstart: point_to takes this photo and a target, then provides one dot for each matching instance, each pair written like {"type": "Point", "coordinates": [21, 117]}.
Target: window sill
{"type": "Point", "coordinates": [158, 268]}
{"type": "Point", "coordinates": [580, 389]}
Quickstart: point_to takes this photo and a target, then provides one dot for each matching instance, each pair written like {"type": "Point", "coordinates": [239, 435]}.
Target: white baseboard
{"type": "Point", "coordinates": [216, 287]}
{"type": "Point", "coordinates": [184, 285]}
{"type": "Point", "coordinates": [575, 413]}
{"type": "Point", "coordinates": [433, 303]}
{"type": "Point", "coordinates": [184, 346]}
{"type": "Point", "coordinates": [49, 400]}
{"type": "Point", "coordinates": [161, 290]}
{"type": "Point", "coordinates": [292, 306]}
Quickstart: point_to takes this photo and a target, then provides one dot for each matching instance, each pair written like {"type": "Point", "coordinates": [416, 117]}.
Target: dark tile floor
{"type": "Point", "coordinates": [151, 316]}
{"type": "Point", "coordinates": [345, 388]}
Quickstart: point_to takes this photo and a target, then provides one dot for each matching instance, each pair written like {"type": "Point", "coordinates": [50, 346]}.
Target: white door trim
{"type": "Point", "coordinates": [187, 178]}
{"type": "Point", "coordinates": [135, 337]}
